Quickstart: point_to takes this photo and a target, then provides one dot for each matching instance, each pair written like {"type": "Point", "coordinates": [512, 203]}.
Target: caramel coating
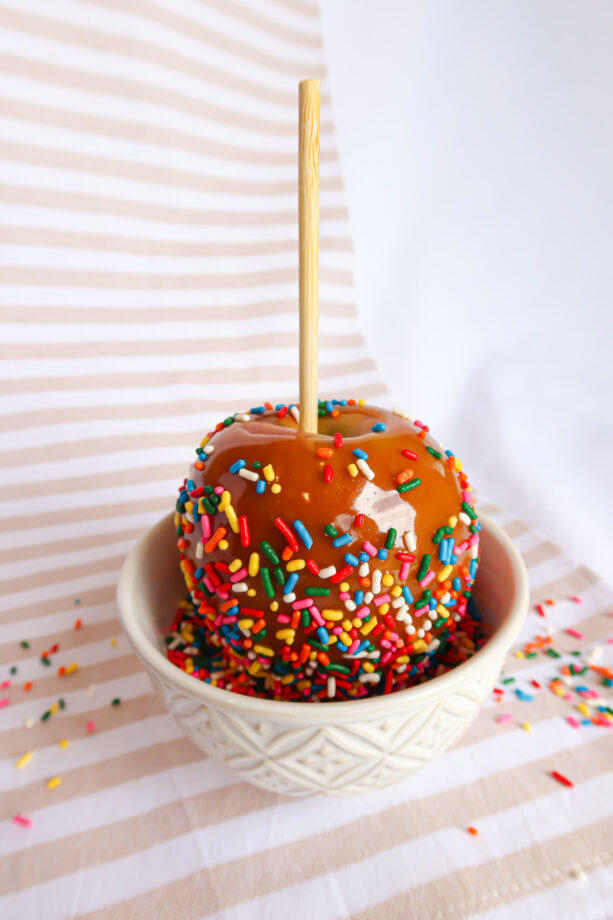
{"type": "Point", "coordinates": [320, 491]}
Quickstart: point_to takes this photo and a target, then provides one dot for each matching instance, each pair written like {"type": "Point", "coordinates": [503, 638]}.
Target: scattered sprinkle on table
{"type": "Point", "coordinates": [54, 783]}
{"type": "Point", "coordinates": [22, 820]}
{"type": "Point", "coordinates": [562, 779]}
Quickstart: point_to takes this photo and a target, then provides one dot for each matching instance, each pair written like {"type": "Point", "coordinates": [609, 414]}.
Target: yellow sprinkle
{"type": "Point", "coordinates": [519, 654]}
{"type": "Point", "coordinates": [344, 586]}
{"type": "Point", "coordinates": [420, 645]}
{"type": "Point", "coordinates": [442, 612]}
{"type": "Point", "coordinates": [251, 592]}
{"type": "Point", "coordinates": [383, 609]}
{"type": "Point", "coordinates": [254, 667]}
{"type": "Point", "coordinates": [263, 650]}
{"type": "Point", "coordinates": [403, 659]}
{"type": "Point", "coordinates": [312, 656]}
{"type": "Point", "coordinates": [303, 684]}
{"type": "Point", "coordinates": [235, 565]}
{"type": "Point", "coordinates": [347, 624]}
{"type": "Point", "coordinates": [275, 488]}
{"type": "Point", "coordinates": [444, 573]}
{"type": "Point", "coordinates": [458, 465]}
{"type": "Point", "coordinates": [232, 518]}
{"type": "Point", "coordinates": [285, 634]}
{"type": "Point", "coordinates": [332, 614]}
{"type": "Point", "coordinates": [189, 506]}
{"type": "Point", "coordinates": [288, 679]}
{"type": "Point", "coordinates": [205, 440]}
{"type": "Point", "coordinates": [295, 565]}
{"type": "Point", "coordinates": [332, 640]}
{"type": "Point", "coordinates": [72, 668]}
{"type": "Point", "coordinates": [396, 592]}
{"type": "Point", "coordinates": [345, 639]}
{"type": "Point", "coordinates": [54, 708]}
{"type": "Point", "coordinates": [356, 622]}
{"type": "Point", "coordinates": [353, 470]}
{"type": "Point", "coordinates": [177, 518]}
{"type": "Point", "coordinates": [226, 498]}
{"type": "Point", "coordinates": [254, 564]}
{"type": "Point", "coordinates": [583, 709]}
{"type": "Point", "coordinates": [24, 760]}
{"type": "Point", "coordinates": [269, 473]}
{"type": "Point", "coordinates": [526, 726]}
{"type": "Point", "coordinates": [63, 743]}
{"type": "Point", "coordinates": [361, 402]}
{"type": "Point", "coordinates": [368, 627]}
{"type": "Point", "coordinates": [247, 623]}
{"type": "Point", "coordinates": [368, 666]}
{"type": "Point", "coordinates": [274, 606]}
{"type": "Point", "coordinates": [29, 722]}
{"type": "Point", "coordinates": [387, 580]}
{"type": "Point", "coordinates": [453, 521]}
{"type": "Point", "coordinates": [54, 783]}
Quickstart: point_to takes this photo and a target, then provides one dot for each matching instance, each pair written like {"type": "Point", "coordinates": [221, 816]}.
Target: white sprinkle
{"type": "Point", "coordinates": [411, 630]}
{"type": "Point", "coordinates": [189, 516]}
{"type": "Point", "coordinates": [331, 687]}
{"type": "Point", "coordinates": [371, 678]}
{"type": "Point", "coordinates": [420, 634]}
{"type": "Point", "coordinates": [327, 572]}
{"type": "Point", "coordinates": [90, 691]}
{"type": "Point", "coordinates": [208, 448]}
{"type": "Point", "coordinates": [427, 624]}
{"type": "Point", "coordinates": [363, 570]}
{"type": "Point", "coordinates": [199, 550]}
{"type": "Point", "coordinates": [474, 551]}
{"type": "Point", "coordinates": [242, 417]}
{"type": "Point", "coordinates": [445, 598]}
{"type": "Point", "coordinates": [410, 540]}
{"type": "Point", "coordinates": [402, 414]}
{"type": "Point", "coordinates": [368, 597]}
{"type": "Point", "coordinates": [289, 598]}
{"type": "Point", "coordinates": [29, 722]}
{"type": "Point", "coordinates": [377, 575]}
{"type": "Point", "coordinates": [248, 474]}
{"type": "Point", "coordinates": [176, 641]}
{"type": "Point", "coordinates": [350, 605]}
{"type": "Point", "coordinates": [464, 517]}
{"type": "Point", "coordinates": [363, 466]}
{"type": "Point", "coordinates": [398, 602]}
{"type": "Point", "coordinates": [433, 645]}
{"type": "Point", "coordinates": [295, 413]}
{"type": "Point", "coordinates": [240, 586]}
{"type": "Point", "coordinates": [579, 874]}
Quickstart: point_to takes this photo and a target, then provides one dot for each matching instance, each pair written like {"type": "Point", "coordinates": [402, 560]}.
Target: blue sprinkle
{"type": "Point", "coordinates": [350, 559]}
{"type": "Point", "coordinates": [359, 597]}
{"type": "Point", "coordinates": [382, 554]}
{"type": "Point", "coordinates": [360, 453]}
{"type": "Point", "coordinates": [449, 453]}
{"type": "Point", "coordinates": [432, 604]}
{"type": "Point", "coordinates": [343, 540]}
{"type": "Point", "coordinates": [291, 583]}
{"type": "Point", "coordinates": [279, 406]}
{"type": "Point", "coordinates": [303, 533]}
{"type": "Point", "coordinates": [362, 647]}
{"type": "Point", "coordinates": [77, 600]}
{"type": "Point", "coordinates": [453, 559]}
{"type": "Point", "coordinates": [363, 557]}
{"type": "Point", "coordinates": [380, 426]}
{"type": "Point", "coordinates": [260, 486]}
{"type": "Point", "coordinates": [407, 594]}
{"type": "Point", "coordinates": [198, 573]}
{"type": "Point", "coordinates": [191, 485]}
{"type": "Point", "coordinates": [322, 635]}
{"type": "Point", "coordinates": [526, 697]}
{"type": "Point", "coordinates": [237, 466]}
{"type": "Point", "coordinates": [472, 568]}
{"type": "Point", "coordinates": [258, 410]}
{"type": "Point", "coordinates": [339, 645]}
{"type": "Point", "coordinates": [195, 514]}
{"type": "Point", "coordinates": [329, 405]}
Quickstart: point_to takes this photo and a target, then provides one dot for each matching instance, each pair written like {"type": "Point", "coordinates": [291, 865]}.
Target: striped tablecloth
{"type": "Point", "coordinates": [148, 232]}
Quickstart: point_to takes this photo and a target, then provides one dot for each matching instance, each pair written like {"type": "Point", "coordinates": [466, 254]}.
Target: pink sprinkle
{"type": "Point", "coordinates": [206, 528]}
{"type": "Point", "coordinates": [386, 658]}
{"type": "Point", "coordinates": [302, 605]}
{"type": "Point", "coordinates": [404, 571]}
{"type": "Point", "coordinates": [386, 643]}
{"type": "Point", "coordinates": [427, 578]}
{"type": "Point", "coordinates": [4, 703]}
{"type": "Point", "coordinates": [21, 819]}
{"type": "Point", "coordinates": [575, 633]}
{"type": "Point", "coordinates": [353, 647]}
{"type": "Point", "coordinates": [362, 612]}
{"type": "Point", "coordinates": [337, 630]}
{"type": "Point", "coordinates": [218, 490]}
{"type": "Point", "coordinates": [369, 548]}
{"type": "Point", "coordinates": [610, 640]}
{"type": "Point", "coordinates": [381, 599]}
{"type": "Point", "coordinates": [5, 685]}
{"type": "Point", "coordinates": [572, 721]}
{"type": "Point", "coordinates": [317, 616]}
{"type": "Point", "coordinates": [462, 547]}
{"type": "Point", "coordinates": [238, 575]}
{"type": "Point", "coordinates": [209, 584]}
{"type": "Point", "coordinates": [344, 596]}
{"type": "Point", "coordinates": [283, 618]}
{"type": "Point", "coordinates": [505, 717]}
{"type": "Point", "coordinates": [90, 726]}
{"type": "Point", "coordinates": [577, 600]}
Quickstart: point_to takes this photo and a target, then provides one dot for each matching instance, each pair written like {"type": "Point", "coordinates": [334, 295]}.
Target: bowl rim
{"type": "Point", "coordinates": [345, 710]}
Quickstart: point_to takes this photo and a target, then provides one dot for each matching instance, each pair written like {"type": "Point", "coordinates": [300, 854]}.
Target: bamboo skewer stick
{"type": "Point", "coordinates": [308, 226]}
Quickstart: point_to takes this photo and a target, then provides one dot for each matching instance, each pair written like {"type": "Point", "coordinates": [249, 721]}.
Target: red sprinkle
{"type": "Point", "coordinates": [409, 454]}
{"type": "Point", "coordinates": [328, 473]}
{"type": "Point", "coordinates": [358, 520]}
{"type": "Point", "coordinates": [244, 530]}
{"type": "Point", "coordinates": [338, 440]}
{"type": "Point", "coordinates": [540, 610]}
{"type": "Point", "coordinates": [287, 533]}
{"type": "Point", "coordinates": [562, 779]}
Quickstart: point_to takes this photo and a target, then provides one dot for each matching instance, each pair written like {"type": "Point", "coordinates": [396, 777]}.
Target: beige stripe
{"type": "Point", "coordinates": [490, 885]}
{"type": "Point", "coordinates": [577, 581]}
{"type": "Point", "coordinates": [56, 576]}
{"type": "Point", "coordinates": [299, 6]}
{"type": "Point", "coordinates": [57, 547]}
{"type": "Point", "coordinates": [96, 777]}
{"type": "Point", "coordinates": [67, 639]}
{"type": "Point", "coordinates": [194, 30]}
{"type": "Point", "coordinates": [543, 552]}
{"type": "Point", "coordinates": [98, 242]}
{"type": "Point", "coordinates": [294, 862]}
{"type": "Point", "coordinates": [488, 508]}
{"type": "Point", "coordinates": [105, 204]}
{"type": "Point", "coordinates": [516, 528]}
{"type": "Point", "coordinates": [126, 169]}
{"type": "Point", "coordinates": [144, 474]}
{"type": "Point", "coordinates": [134, 49]}
{"type": "Point", "coordinates": [156, 506]}
{"type": "Point", "coordinates": [106, 718]}
{"type": "Point", "coordinates": [58, 605]}
{"type": "Point", "coordinates": [63, 277]}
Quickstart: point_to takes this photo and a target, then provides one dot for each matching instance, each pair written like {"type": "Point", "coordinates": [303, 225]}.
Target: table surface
{"type": "Point", "coordinates": [149, 288]}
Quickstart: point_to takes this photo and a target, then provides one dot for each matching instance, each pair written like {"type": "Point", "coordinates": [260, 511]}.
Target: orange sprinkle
{"type": "Point", "coordinates": [78, 624]}
{"type": "Point", "coordinates": [227, 604]}
{"type": "Point", "coordinates": [28, 685]}
{"type": "Point", "coordinates": [473, 831]}
{"type": "Point", "coordinates": [287, 554]}
{"type": "Point", "coordinates": [217, 536]}
{"type": "Point", "coordinates": [404, 476]}
{"type": "Point", "coordinates": [324, 452]}
{"type": "Point", "coordinates": [61, 671]}
{"type": "Point", "coordinates": [335, 413]}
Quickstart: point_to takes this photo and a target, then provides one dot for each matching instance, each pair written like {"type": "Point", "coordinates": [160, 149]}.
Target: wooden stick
{"type": "Point", "coordinates": [308, 223]}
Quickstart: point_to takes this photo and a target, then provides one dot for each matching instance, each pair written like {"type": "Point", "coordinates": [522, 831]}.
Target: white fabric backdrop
{"type": "Point", "coordinates": [476, 142]}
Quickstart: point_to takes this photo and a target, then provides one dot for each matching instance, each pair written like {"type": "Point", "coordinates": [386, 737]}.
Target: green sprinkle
{"type": "Point", "coordinates": [391, 538]}
{"type": "Point", "coordinates": [24, 644]}
{"type": "Point", "coordinates": [435, 453]}
{"type": "Point", "coordinates": [469, 511]}
{"type": "Point", "coordinates": [330, 531]}
{"type": "Point", "coordinates": [411, 484]}
{"type": "Point", "coordinates": [208, 490]}
{"type": "Point", "coordinates": [45, 716]}
{"type": "Point", "coordinates": [45, 661]}
{"type": "Point", "coordinates": [340, 668]}
{"type": "Point", "coordinates": [269, 551]}
{"type": "Point", "coordinates": [256, 465]}
{"type": "Point", "coordinates": [552, 653]}
{"type": "Point", "coordinates": [14, 669]}
{"type": "Point", "coordinates": [116, 701]}
{"type": "Point", "coordinates": [439, 622]}
{"type": "Point", "coordinates": [267, 582]}
{"type": "Point", "coordinates": [208, 504]}
{"type": "Point", "coordinates": [424, 566]}
{"type": "Point", "coordinates": [317, 592]}
{"type": "Point", "coordinates": [305, 616]}
{"type": "Point", "coordinates": [62, 703]}
{"type": "Point", "coordinates": [279, 575]}
{"type": "Point", "coordinates": [438, 536]}
{"type": "Point", "coordinates": [531, 654]}
{"type": "Point", "coordinates": [421, 603]}
{"type": "Point", "coordinates": [509, 680]}
{"type": "Point", "coordinates": [228, 421]}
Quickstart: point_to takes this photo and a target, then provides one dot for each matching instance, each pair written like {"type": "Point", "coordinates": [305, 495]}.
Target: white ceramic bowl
{"type": "Point", "coordinates": [338, 748]}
